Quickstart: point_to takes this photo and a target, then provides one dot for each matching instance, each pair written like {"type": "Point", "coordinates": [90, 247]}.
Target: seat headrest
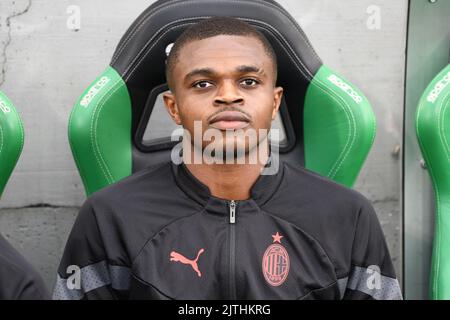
{"type": "Point", "coordinates": [141, 53]}
{"type": "Point", "coordinates": [11, 139]}
{"type": "Point", "coordinates": [327, 125]}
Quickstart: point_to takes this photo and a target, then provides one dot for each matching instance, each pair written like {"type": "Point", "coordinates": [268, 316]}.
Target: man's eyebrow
{"type": "Point", "coordinates": [200, 72]}
{"type": "Point", "coordinates": [248, 69]}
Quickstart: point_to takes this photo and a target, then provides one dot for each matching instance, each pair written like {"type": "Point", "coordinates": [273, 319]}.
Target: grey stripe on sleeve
{"type": "Point", "coordinates": [371, 282]}
{"type": "Point", "coordinates": [92, 277]}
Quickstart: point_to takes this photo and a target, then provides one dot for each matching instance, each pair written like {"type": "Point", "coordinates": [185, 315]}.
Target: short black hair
{"type": "Point", "coordinates": [212, 27]}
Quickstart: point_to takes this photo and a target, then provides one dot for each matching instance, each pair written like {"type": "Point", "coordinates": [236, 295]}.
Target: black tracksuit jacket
{"type": "Point", "coordinates": [160, 234]}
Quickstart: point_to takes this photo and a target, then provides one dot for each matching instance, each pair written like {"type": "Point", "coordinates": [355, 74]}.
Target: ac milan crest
{"type": "Point", "coordinates": [275, 262]}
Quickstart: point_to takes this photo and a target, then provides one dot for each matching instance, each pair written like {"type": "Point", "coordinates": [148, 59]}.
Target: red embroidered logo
{"type": "Point", "coordinates": [275, 262]}
{"type": "Point", "coordinates": [177, 257]}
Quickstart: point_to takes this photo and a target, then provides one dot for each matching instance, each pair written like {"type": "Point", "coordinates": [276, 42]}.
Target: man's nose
{"type": "Point", "coordinates": [228, 93]}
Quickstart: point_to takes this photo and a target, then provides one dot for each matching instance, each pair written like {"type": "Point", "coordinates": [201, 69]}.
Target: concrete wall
{"type": "Point", "coordinates": [46, 66]}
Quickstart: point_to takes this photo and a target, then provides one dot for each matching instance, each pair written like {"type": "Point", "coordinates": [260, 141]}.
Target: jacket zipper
{"type": "Point", "coordinates": [232, 250]}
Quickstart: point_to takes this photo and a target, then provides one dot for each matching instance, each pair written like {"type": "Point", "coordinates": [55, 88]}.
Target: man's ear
{"type": "Point", "coordinates": [277, 95]}
{"type": "Point", "coordinates": [172, 107]}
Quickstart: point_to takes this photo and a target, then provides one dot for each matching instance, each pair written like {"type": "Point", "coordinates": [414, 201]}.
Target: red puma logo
{"type": "Point", "coordinates": [177, 257]}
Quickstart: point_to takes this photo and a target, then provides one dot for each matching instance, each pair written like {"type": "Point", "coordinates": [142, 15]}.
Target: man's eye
{"type": "Point", "coordinates": [249, 82]}
{"type": "Point", "coordinates": [202, 84]}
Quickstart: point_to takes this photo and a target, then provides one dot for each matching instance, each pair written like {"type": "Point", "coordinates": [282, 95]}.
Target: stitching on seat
{"type": "Point", "coordinates": [445, 146]}
{"type": "Point", "coordinates": [92, 134]}
{"type": "Point", "coordinates": [75, 154]}
{"type": "Point", "coordinates": [106, 95]}
{"type": "Point", "coordinates": [139, 59]}
{"type": "Point", "coordinates": [132, 33]}
{"type": "Point", "coordinates": [374, 130]}
{"type": "Point", "coordinates": [242, 18]}
{"type": "Point", "coordinates": [21, 137]}
{"type": "Point", "coordinates": [153, 45]}
{"type": "Point", "coordinates": [441, 118]}
{"type": "Point", "coordinates": [438, 213]}
{"type": "Point", "coordinates": [136, 30]}
{"type": "Point", "coordinates": [309, 76]}
{"type": "Point", "coordinates": [351, 136]}
{"type": "Point", "coordinates": [19, 151]}
{"type": "Point", "coordinates": [175, 4]}
{"type": "Point", "coordinates": [141, 25]}
{"type": "Point", "coordinates": [1, 140]}
{"type": "Point", "coordinates": [94, 122]}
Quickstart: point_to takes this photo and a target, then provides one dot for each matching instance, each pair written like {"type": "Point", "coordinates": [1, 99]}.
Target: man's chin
{"type": "Point", "coordinates": [232, 153]}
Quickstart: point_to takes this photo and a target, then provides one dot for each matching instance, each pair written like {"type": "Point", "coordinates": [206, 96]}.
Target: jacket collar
{"type": "Point", "coordinates": [261, 191]}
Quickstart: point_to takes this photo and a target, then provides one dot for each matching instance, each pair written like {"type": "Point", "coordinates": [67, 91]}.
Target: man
{"type": "Point", "coordinates": [212, 229]}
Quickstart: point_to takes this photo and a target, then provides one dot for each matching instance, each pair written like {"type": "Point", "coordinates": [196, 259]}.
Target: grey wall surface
{"type": "Point", "coordinates": [46, 66]}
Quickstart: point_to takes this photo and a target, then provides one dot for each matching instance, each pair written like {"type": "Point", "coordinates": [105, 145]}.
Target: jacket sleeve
{"type": "Point", "coordinates": [372, 275]}
{"type": "Point", "coordinates": [85, 271]}
{"type": "Point", "coordinates": [18, 279]}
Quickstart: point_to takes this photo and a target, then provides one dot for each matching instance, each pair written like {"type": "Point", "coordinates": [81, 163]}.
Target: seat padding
{"type": "Point", "coordinates": [11, 139]}
{"type": "Point", "coordinates": [433, 133]}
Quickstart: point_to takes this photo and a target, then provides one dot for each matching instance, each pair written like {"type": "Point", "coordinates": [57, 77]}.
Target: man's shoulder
{"type": "Point", "coordinates": [142, 196]}
{"type": "Point", "coordinates": [304, 185]}
{"type": "Point", "coordinates": [153, 178]}
{"type": "Point", "coordinates": [324, 209]}
{"type": "Point", "coordinates": [126, 214]}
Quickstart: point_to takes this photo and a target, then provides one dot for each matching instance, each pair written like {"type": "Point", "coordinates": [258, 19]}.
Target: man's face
{"type": "Point", "coordinates": [227, 83]}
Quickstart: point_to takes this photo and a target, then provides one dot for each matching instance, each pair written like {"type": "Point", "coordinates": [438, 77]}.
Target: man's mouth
{"type": "Point", "coordinates": [229, 120]}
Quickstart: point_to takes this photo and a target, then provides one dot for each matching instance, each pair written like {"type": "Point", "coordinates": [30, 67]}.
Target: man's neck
{"type": "Point", "coordinates": [229, 181]}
